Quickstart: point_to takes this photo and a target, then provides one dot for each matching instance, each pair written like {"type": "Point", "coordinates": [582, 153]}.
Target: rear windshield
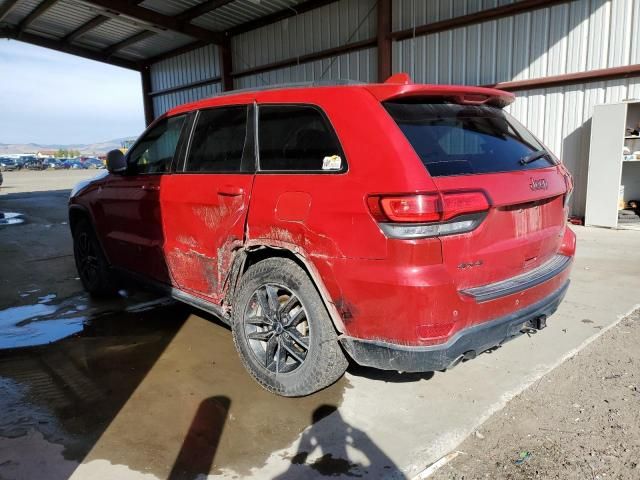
{"type": "Point", "coordinates": [453, 139]}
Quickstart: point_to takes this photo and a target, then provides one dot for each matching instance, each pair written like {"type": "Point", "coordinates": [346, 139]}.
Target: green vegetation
{"type": "Point", "coordinates": [64, 153]}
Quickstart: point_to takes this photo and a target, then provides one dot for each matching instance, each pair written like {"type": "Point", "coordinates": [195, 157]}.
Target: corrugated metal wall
{"type": "Point", "coordinates": [561, 117]}
{"type": "Point", "coordinates": [572, 37]}
{"type": "Point", "coordinates": [334, 25]}
{"type": "Point", "coordinates": [190, 67]}
{"type": "Point", "coordinates": [577, 36]}
{"type": "Point", "coordinates": [361, 65]}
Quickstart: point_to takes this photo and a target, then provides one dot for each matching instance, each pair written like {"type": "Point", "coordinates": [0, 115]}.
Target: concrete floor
{"type": "Point", "coordinates": [147, 390]}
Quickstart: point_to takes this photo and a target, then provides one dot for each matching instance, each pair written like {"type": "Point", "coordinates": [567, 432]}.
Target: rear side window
{"type": "Point", "coordinates": [218, 140]}
{"type": "Point", "coordinates": [453, 139]}
{"type": "Point", "coordinates": [297, 138]}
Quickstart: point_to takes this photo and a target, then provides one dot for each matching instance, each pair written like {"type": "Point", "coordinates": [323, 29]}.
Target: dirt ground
{"type": "Point", "coordinates": [24, 181]}
{"type": "Point", "coordinates": [582, 421]}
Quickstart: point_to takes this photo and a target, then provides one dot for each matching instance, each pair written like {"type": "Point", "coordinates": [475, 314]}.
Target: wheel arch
{"type": "Point", "coordinates": [77, 213]}
{"type": "Point", "coordinates": [257, 252]}
{"type": "Point", "coordinates": [80, 212]}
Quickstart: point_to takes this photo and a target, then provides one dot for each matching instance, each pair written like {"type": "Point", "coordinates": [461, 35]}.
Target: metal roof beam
{"type": "Point", "coordinates": [138, 37]}
{"type": "Point", "coordinates": [82, 29]}
{"type": "Point", "coordinates": [245, 27]}
{"type": "Point", "coordinates": [124, 7]}
{"type": "Point", "coordinates": [279, 15]}
{"type": "Point", "coordinates": [7, 7]}
{"type": "Point", "coordinates": [35, 14]}
{"type": "Point", "coordinates": [200, 9]}
{"type": "Point", "coordinates": [189, 47]}
{"type": "Point", "coordinates": [67, 48]}
{"type": "Point", "coordinates": [489, 14]}
{"type": "Point", "coordinates": [309, 57]}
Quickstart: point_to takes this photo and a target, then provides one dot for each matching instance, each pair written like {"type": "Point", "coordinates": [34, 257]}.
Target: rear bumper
{"type": "Point", "coordinates": [470, 341]}
{"type": "Point", "coordinates": [555, 266]}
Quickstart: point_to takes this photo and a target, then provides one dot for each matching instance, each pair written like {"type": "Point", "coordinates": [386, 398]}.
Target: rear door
{"type": "Point", "coordinates": [481, 148]}
{"type": "Point", "coordinates": [205, 202]}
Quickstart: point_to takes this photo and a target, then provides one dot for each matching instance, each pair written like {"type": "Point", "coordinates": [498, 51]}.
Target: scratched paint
{"type": "Point", "coordinates": [211, 216]}
{"type": "Point", "coordinates": [282, 235]}
{"type": "Point", "coordinates": [187, 240]}
{"type": "Point", "coordinates": [527, 220]}
{"type": "Point", "coordinates": [188, 270]}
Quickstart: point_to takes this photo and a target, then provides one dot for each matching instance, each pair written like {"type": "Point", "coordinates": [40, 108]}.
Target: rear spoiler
{"type": "Point", "coordinates": [399, 86]}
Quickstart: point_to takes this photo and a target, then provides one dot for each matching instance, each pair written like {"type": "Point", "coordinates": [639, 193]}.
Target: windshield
{"type": "Point", "coordinates": [453, 139]}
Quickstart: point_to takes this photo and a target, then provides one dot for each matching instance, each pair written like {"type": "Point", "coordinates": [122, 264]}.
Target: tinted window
{"type": "Point", "coordinates": [455, 139]}
{"type": "Point", "coordinates": [218, 140]}
{"type": "Point", "coordinates": [154, 152]}
{"type": "Point", "coordinates": [297, 138]}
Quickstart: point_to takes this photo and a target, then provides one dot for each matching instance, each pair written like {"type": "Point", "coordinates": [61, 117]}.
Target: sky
{"type": "Point", "coordinates": [48, 97]}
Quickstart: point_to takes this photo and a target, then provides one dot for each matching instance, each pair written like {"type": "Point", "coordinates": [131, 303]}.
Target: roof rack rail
{"type": "Point", "coordinates": [314, 83]}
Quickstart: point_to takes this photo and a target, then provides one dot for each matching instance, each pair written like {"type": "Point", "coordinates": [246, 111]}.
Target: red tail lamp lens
{"type": "Point", "coordinates": [414, 208]}
{"type": "Point", "coordinates": [463, 203]}
{"type": "Point", "coordinates": [425, 208]}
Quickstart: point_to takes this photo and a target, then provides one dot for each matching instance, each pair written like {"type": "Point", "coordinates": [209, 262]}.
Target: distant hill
{"type": "Point", "coordinates": [91, 148]}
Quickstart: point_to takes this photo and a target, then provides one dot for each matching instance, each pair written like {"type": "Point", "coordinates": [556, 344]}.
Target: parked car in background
{"type": "Point", "coordinates": [407, 226]}
{"type": "Point", "coordinates": [50, 163]}
{"type": "Point", "coordinates": [1, 179]}
{"type": "Point", "coordinates": [23, 160]}
{"type": "Point", "coordinates": [8, 165]}
{"type": "Point", "coordinates": [94, 163]}
{"type": "Point", "coordinates": [63, 164]}
{"type": "Point", "coordinates": [77, 165]}
{"type": "Point", "coordinates": [35, 164]}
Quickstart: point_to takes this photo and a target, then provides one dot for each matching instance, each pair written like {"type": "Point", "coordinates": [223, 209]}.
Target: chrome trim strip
{"type": "Point", "coordinates": [516, 284]}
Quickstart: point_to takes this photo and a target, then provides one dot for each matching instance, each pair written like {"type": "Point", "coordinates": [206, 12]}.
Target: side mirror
{"type": "Point", "coordinates": [116, 162]}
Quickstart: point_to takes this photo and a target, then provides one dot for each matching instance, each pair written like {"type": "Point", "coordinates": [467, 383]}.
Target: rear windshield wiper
{"type": "Point", "coordinates": [532, 157]}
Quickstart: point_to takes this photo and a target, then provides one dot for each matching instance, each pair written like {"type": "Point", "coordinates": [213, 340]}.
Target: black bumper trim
{"type": "Point", "coordinates": [470, 341]}
{"type": "Point", "coordinates": [543, 273]}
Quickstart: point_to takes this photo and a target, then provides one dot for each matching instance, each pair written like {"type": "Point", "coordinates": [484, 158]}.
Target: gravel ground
{"type": "Point", "coordinates": [582, 421]}
{"type": "Point", "coordinates": [24, 181]}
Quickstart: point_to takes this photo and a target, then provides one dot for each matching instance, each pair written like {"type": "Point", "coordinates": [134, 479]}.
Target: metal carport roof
{"type": "Point", "coordinates": [132, 34]}
{"type": "Point", "coordinates": [137, 34]}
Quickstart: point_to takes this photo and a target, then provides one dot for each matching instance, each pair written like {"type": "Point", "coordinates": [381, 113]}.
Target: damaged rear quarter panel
{"type": "Point", "coordinates": [324, 217]}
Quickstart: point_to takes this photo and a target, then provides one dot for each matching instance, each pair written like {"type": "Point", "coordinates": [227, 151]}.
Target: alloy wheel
{"type": "Point", "coordinates": [276, 328]}
{"type": "Point", "coordinates": [87, 258]}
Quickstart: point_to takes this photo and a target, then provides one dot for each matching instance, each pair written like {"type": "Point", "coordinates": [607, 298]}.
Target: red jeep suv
{"type": "Point", "coordinates": [405, 226]}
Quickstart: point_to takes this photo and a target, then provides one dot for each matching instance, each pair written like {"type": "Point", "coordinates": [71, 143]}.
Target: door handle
{"type": "Point", "coordinates": [230, 191]}
{"type": "Point", "coordinates": [151, 187]}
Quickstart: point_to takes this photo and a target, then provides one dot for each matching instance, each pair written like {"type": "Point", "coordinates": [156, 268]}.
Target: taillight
{"type": "Point", "coordinates": [428, 214]}
{"type": "Point", "coordinates": [569, 184]}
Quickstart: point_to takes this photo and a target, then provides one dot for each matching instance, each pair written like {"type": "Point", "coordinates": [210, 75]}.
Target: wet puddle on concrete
{"type": "Point", "coordinates": [11, 218]}
{"type": "Point", "coordinates": [159, 389]}
{"type": "Point", "coordinates": [69, 391]}
{"type": "Point", "coordinates": [46, 322]}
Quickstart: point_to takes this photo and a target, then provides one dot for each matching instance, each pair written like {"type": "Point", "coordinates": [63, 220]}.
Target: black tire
{"type": "Point", "coordinates": [93, 269]}
{"type": "Point", "coordinates": [293, 317]}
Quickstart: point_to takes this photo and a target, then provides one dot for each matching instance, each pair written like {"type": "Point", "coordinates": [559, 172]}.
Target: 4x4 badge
{"type": "Point", "coordinates": [538, 184]}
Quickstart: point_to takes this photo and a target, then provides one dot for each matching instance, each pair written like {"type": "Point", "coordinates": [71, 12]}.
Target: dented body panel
{"type": "Point", "coordinates": [194, 231]}
{"type": "Point", "coordinates": [203, 225]}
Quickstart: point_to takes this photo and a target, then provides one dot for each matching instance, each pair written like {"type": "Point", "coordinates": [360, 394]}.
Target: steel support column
{"type": "Point", "coordinates": [384, 40]}
{"type": "Point", "coordinates": [226, 65]}
{"type": "Point", "coordinates": [147, 101]}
